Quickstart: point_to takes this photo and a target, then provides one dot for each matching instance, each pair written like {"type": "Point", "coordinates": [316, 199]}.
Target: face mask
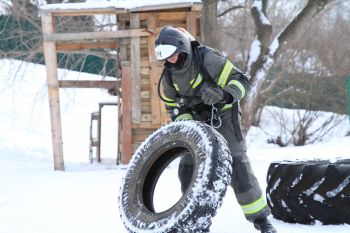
{"type": "Point", "coordinates": [180, 61]}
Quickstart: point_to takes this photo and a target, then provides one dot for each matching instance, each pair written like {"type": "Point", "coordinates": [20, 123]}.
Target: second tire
{"type": "Point", "coordinates": [309, 191]}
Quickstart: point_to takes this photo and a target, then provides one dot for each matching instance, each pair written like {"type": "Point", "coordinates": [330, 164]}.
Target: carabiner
{"type": "Point", "coordinates": [214, 117]}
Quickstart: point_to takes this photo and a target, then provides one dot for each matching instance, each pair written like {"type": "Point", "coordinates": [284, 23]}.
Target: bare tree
{"type": "Point", "coordinates": [209, 23]}
{"type": "Point", "coordinates": [301, 127]}
{"type": "Point", "coordinates": [265, 49]}
{"type": "Point", "coordinates": [21, 37]}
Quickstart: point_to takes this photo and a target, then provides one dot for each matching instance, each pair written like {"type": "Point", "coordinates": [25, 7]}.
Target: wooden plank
{"type": "Point", "coordinates": [145, 82]}
{"type": "Point", "coordinates": [144, 51]}
{"type": "Point", "coordinates": [135, 146]}
{"type": "Point", "coordinates": [154, 78]}
{"type": "Point", "coordinates": [145, 94]}
{"type": "Point", "coordinates": [87, 84]}
{"type": "Point", "coordinates": [146, 107]}
{"type": "Point", "coordinates": [145, 125]}
{"type": "Point", "coordinates": [53, 93]}
{"type": "Point", "coordinates": [166, 15]}
{"type": "Point", "coordinates": [135, 67]}
{"type": "Point", "coordinates": [164, 113]}
{"type": "Point", "coordinates": [148, 89]}
{"type": "Point", "coordinates": [126, 114]}
{"type": "Point", "coordinates": [172, 16]}
{"type": "Point", "coordinates": [140, 131]}
{"type": "Point", "coordinates": [140, 137]}
{"type": "Point", "coordinates": [145, 71]}
{"type": "Point", "coordinates": [180, 5]}
{"type": "Point", "coordinates": [86, 45]}
{"type": "Point", "coordinates": [84, 10]}
{"type": "Point", "coordinates": [176, 24]}
{"type": "Point", "coordinates": [146, 118]}
{"type": "Point", "coordinates": [196, 7]}
{"type": "Point", "coordinates": [145, 62]}
{"type": "Point", "coordinates": [123, 42]}
{"type": "Point", "coordinates": [191, 23]}
{"type": "Point", "coordinates": [118, 87]}
{"type": "Point", "coordinates": [77, 36]}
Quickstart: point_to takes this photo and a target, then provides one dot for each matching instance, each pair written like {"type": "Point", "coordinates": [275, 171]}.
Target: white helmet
{"type": "Point", "coordinates": [170, 41]}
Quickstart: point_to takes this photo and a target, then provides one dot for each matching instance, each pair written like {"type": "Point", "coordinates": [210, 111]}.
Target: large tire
{"type": "Point", "coordinates": [306, 191]}
{"type": "Point", "coordinates": [194, 210]}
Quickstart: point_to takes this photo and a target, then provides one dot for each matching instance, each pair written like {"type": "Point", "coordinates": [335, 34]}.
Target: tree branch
{"type": "Point", "coordinates": [229, 10]}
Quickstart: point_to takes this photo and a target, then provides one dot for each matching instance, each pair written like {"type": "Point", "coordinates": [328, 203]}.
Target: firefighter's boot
{"type": "Point", "coordinates": [264, 226]}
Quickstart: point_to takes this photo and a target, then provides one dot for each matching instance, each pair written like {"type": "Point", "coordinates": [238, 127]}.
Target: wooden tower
{"type": "Point", "coordinates": [141, 111]}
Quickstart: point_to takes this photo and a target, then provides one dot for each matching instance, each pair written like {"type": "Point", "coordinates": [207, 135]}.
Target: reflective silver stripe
{"type": "Point", "coordinates": [254, 207]}
{"type": "Point", "coordinates": [198, 81]}
{"type": "Point", "coordinates": [184, 117]}
{"type": "Point", "coordinates": [239, 85]}
{"type": "Point", "coordinates": [225, 73]}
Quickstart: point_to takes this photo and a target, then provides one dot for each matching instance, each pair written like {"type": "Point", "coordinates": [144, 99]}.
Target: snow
{"type": "Point", "coordinates": [254, 52]}
{"type": "Point", "coordinates": [338, 189]}
{"type": "Point", "coordinates": [118, 4]}
{"type": "Point", "coordinates": [83, 199]}
{"type": "Point", "coordinates": [259, 6]}
{"type": "Point", "coordinates": [313, 188]}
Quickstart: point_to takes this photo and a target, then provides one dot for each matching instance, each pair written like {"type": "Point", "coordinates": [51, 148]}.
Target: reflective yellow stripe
{"type": "Point", "coordinates": [254, 207]}
{"type": "Point", "coordinates": [176, 86]}
{"type": "Point", "coordinates": [239, 85]}
{"type": "Point", "coordinates": [225, 73]}
{"type": "Point", "coordinates": [169, 104]}
{"type": "Point", "coordinates": [198, 81]}
{"type": "Point", "coordinates": [184, 117]}
{"type": "Point", "coordinates": [227, 106]}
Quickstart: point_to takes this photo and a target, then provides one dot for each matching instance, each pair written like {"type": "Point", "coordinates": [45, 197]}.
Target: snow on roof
{"type": "Point", "coordinates": [129, 5]}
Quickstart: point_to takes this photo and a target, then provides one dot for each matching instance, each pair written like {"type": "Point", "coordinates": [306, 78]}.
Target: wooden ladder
{"type": "Point", "coordinates": [95, 141]}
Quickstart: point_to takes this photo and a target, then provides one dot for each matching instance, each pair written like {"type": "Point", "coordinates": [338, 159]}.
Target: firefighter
{"type": "Point", "coordinates": [199, 83]}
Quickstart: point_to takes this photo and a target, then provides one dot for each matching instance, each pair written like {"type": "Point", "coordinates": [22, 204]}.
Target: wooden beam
{"type": "Point", "coordinates": [135, 70]}
{"type": "Point", "coordinates": [53, 93]}
{"type": "Point", "coordinates": [126, 114]}
{"type": "Point", "coordinates": [86, 45]}
{"type": "Point", "coordinates": [87, 84]}
{"type": "Point", "coordinates": [94, 35]}
{"type": "Point", "coordinates": [156, 105]}
{"type": "Point", "coordinates": [167, 16]}
{"type": "Point", "coordinates": [145, 125]}
{"type": "Point", "coordinates": [191, 23]}
{"type": "Point", "coordinates": [197, 7]}
{"type": "Point", "coordinates": [81, 11]}
{"type": "Point", "coordinates": [158, 7]}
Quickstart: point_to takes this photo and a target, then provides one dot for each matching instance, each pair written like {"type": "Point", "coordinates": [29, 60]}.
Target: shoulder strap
{"type": "Point", "coordinates": [200, 52]}
{"type": "Point", "coordinates": [168, 80]}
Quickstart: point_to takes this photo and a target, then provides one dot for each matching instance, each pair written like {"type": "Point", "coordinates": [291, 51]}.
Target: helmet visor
{"type": "Point", "coordinates": [164, 51]}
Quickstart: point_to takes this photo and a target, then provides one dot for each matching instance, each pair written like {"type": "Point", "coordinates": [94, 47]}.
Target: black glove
{"type": "Point", "coordinates": [212, 95]}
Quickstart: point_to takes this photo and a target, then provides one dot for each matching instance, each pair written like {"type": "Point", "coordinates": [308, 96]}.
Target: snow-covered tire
{"type": "Point", "coordinates": [194, 210]}
{"type": "Point", "coordinates": [306, 191]}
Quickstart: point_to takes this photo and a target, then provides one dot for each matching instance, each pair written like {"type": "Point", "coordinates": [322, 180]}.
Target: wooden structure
{"type": "Point", "coordinates": [141, 111]}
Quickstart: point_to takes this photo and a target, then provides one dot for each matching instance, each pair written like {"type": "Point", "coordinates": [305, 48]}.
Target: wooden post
{"type": "Point", "coordinates": [191, 23]}
{"type": "Point", "coordinates": [135, 67]}
{"type": "Point", "coordinates": [126, 113]}
{"type": "Point", "coordinates": [154, 74]}
{"type": "Point", "coordinates": [53, 92]}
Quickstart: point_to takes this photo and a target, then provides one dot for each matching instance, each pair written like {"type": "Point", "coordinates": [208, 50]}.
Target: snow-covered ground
{"type": "Point", "coordinates": [83, 199]}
